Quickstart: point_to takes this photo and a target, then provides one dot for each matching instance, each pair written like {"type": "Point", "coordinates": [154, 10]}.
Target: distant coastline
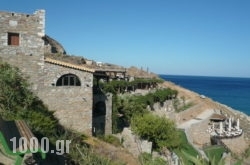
{"type": "Point", "coordinates": [231, 92]}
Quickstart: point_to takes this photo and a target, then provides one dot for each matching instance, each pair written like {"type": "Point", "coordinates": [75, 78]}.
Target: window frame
{"type": "Point", "coordinates": [13, 39]}
{"type": "Point", "coordinates": [68, 80]}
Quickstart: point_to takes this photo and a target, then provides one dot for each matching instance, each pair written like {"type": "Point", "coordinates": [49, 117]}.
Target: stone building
{"type": "Point", "coordinates": [66, 88]}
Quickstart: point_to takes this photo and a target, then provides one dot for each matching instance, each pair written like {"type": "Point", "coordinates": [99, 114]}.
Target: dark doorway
{"type": "Point", "coordinates": [99, 117]}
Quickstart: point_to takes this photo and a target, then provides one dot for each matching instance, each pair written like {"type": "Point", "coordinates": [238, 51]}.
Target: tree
{"type": "Point", "coordinates": [160, 130]}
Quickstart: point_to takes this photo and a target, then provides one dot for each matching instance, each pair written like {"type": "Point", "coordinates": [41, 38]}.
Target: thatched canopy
{"type": "Point", "coordinates": [217, 117]}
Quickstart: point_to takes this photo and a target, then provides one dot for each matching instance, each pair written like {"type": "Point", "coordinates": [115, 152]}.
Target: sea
{"type": "Point", "coordinates": [231, 91]}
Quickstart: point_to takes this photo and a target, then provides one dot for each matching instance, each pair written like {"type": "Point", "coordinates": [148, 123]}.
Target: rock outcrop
{"type": "Point", "coordinates": [53, 46]}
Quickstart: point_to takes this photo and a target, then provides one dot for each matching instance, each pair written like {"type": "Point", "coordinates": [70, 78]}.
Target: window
{"type": "Point", "coordinates": [68, 80]}
{"type": "Point", "coordinates": [13, 39]}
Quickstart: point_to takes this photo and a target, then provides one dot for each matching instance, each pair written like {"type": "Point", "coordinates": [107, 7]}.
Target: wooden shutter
{"type": "Point", "coordinates": [13, 39]}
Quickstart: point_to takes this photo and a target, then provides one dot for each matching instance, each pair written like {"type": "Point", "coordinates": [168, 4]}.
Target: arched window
{"type": "Point", "coordinates": [68, 80]}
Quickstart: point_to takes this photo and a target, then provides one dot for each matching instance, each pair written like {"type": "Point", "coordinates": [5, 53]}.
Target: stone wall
{"type": "Point", "coordinates": [72, 104]}
{"type": "Point", "coordinates": [103, 124]}
{"type": "Point", "coordinates": [28, 55]}
{"type": "Point", "coordinates": [108, 125]}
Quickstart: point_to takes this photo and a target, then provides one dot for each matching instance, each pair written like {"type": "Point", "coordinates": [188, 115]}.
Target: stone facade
{"type": "Point", "coordinates": [22, 45]}
{"type": "Point", "coordinates": [72, 104]}
{"type": "Point", "coordinates": [29, 51]}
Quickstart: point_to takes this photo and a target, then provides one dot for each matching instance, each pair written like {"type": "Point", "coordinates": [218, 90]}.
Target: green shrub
{"type": "Point", "coordinates": [159, 130]}
{"type": "Point", "coordinates": [124, 108]}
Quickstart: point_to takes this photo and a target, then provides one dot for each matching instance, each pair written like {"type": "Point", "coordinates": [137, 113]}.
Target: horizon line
{"type": "Point", "coordinates": [202, 75]}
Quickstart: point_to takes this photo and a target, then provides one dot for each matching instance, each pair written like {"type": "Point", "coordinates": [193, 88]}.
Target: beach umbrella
{"type": "Point", "coordinates": [229, 124]}
{"type": "Point", "coordinates": [238, 124]}
{"type": "Point", "coordinates": [221, 128]}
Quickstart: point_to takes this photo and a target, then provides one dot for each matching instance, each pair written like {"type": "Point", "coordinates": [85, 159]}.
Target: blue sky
{"type": "Point", "coordinates": [184, 37]}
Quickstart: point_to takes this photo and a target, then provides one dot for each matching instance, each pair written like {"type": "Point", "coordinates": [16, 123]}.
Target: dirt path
{"type": "Point", "coordinates": [202, 116]}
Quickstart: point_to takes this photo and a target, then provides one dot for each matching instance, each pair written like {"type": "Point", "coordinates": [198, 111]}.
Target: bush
{"type": "Point", "coordinates": [124, 108]}
{"type": "Point", "coordinates": [159, 130]}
